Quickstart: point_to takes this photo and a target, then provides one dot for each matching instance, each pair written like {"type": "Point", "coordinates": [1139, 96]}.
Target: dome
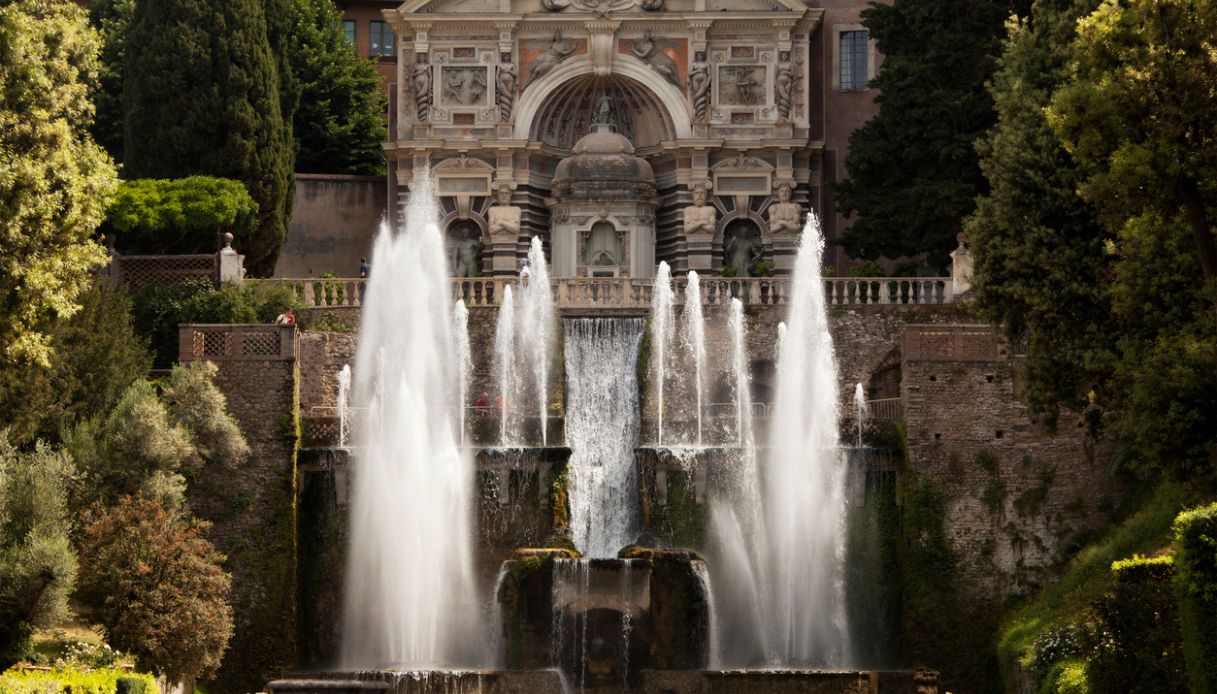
{"type": "Point", "coordinates": [602, 165]}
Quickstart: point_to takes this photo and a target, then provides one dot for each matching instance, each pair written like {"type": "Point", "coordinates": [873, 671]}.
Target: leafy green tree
{"type": "Point", "coordinates": [201, 92]}
{"type": "Point", "coordinates": [98, 354]}
{"type": "Point", "coordinates": [1041, 258]}
{"type": "Point", "coordinates": [157, 587]}
{"type": "Point", "coordinates": [37, 562]}
{"type": "Point", "coordinates": [112, 19]}
{"type": "Point", "coordinates": [913, 173]}
{"type": "Point", "coordinates": [341, 120]}
{"type": "Point", "coordinates": [187, 215]}
{"type": "Point", "coordinates": [53, 178]}
{"type": "Point", "coordinates": [197, 404]}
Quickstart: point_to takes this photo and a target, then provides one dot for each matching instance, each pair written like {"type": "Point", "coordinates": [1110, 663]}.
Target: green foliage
{"type": "Point", "coordinates": [37, 563]}
{"type": "Point", "coordinates": [158, 310]}
{"type": "Point", "coordinates": [1067, 677]}
{"type": "Point", "coordinates": [156, 586]}
{"type": "Point", "coordinates": [1137, 639]}
{"type": "Point", "coordinates": [202, 95]}
{"type": "Point", "coordinates": [187, 215]}
{"type": "Point", "coordinates": [76, 681]}
{"type": "Point", "coordinates": [866, 268]}
{"type": "Point", "coordinates": [197, 405]}
{"type": "Point", "coordinates": [1067, 602]}
{"type": "Point", "coordinates": [1196, 590]}
{"type": "Point", "coordinates": [112, 19]}
{"type": "Point", "coordinates": [913, 174]}
{"type": "Point", "coordinates": [97, 356]}
{"type": "Point", "coordinates": [340, 123]}
{"type": "Point", "coordinates": [53, 178]}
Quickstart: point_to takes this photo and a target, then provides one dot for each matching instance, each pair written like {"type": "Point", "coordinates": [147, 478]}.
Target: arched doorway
{"type": "Point", "coordinates": [603, 252]}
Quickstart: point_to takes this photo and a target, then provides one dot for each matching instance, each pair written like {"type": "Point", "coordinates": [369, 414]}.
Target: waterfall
{"type": "Point", "coordinates": [344, 409]}
{"type": "Point", "coordinates": [662, 331]}
{"type": "Point", "coordinates": [776, 541]}
{"type": "Point", "coordinates": [535, 331]}
{"type": "Point", "coordinates": [410, 599]}
{"type": "Point", "coordinates": [505, 367]}
{"type": "Point", "coordinates": [602, 423]}
{"type": "Point", "coordinates": [695, 341]}
{"type": "Point", "coordinates": [860, 410]}
{"type": "Point", "coordinates": [464, 363]}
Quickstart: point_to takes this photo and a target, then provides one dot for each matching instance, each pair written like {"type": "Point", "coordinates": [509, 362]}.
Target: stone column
{"type": "Point", "coordinates": [961, 270]}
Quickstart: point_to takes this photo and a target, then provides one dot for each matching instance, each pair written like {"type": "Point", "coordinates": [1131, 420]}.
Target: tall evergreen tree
{"type": "Point", "coordinates": [913, 175]}
{"type": "Point", "coordinates": [112, 19]}
{"type": "Point", "coordinates": [340, 123]}
{"type": "Point", "coordinates": [202, 95]}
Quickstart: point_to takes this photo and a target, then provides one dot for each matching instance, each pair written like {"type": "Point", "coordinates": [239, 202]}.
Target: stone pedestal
{"type": "Point", "coordinates": [700, 252]}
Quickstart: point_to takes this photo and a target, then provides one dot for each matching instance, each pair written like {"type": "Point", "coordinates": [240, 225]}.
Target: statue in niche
{"type": "Point", "coordinates": [506, 97]}
{"type": "Point", "coordinates": [504, 217]}
{"type": "Point", "coordinates": [650, 51]}
{"type": "Point", "coordinates": [464, 245]}
{"type": "Point", "coordinates": [604, 110]}
{"type": "Point", "coordinates": [783, 86]}
{"type": "Point", "coordinates": [420, 86]}
{"type": "Point", "coordinates": [785, 217]}
{"type": "Point", "coordinates": [700, 218]}
{"type": "Point", "coordinates": [553, 51]}
{"type": "Point", "coordinates": [741, 248]}
{"type": "Point", "coordinates": [699, 86]}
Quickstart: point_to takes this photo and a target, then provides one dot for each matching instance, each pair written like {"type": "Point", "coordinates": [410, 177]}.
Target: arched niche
{"type": "Point", "coordinates": [743, 246]}
{"type": "Point", "coordinates": [568, 113]}
{"type": "Point", "coordinates": [463, 243]}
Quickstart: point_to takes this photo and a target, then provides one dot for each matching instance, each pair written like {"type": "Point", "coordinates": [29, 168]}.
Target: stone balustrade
{"type": "Point", "coordinates": [635, 293]}
{"type": "Point", "coordinates": [237, 342]}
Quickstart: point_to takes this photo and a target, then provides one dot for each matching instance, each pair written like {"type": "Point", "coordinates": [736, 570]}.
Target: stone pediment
{"type": "Point", "coordinates": [557, 8]}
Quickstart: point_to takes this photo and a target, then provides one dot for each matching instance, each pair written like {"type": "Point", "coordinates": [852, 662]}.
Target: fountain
{"type": "Point", "coordinates": [505, 367]}
{"type": "Point", "coordinates": [662, 330]}
{"type": "Point", "coordinates": [344, 394]}
{"type": "Point", "coordinates": [535, 330]}
{"type": "Point", "coordinates": [695, 342]}
{"type": "Point", "coordinates": [860, 411]}
{"type": "Point", "coordinates": [464, 363]}
{"type": "Point", "coordinates": [410, 599]}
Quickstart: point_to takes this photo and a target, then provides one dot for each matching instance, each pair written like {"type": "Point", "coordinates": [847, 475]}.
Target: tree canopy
{"type": "Point", "coordinates": [203, 93]}
{"type": "Point", "coordinates": [54, 180]}
{"type": "Point", "coordinates": [913, 173]}
{"type": "Point", "coordinates": [186, 215]}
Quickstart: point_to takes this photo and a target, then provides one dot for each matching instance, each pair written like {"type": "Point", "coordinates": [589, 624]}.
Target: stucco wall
{"type": "Point", "coordinates": [334, 221]}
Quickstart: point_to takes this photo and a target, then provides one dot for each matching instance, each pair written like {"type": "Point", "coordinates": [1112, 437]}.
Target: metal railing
{"type": "Point", "coordinates": [636, 293]}
{"type": "Point", "coordinates": [885, 409]}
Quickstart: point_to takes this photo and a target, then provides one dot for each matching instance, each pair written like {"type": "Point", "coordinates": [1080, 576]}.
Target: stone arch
{"type": "Point", "coordinates": [537, 93]}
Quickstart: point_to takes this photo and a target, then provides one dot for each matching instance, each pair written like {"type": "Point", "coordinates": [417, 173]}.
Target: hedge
{"type": "Point", "coordinates": [1196, 591]}
{"type": "Point", "coordinates": [98, 681]}
{"type": "Point", "coordinates": [185, 215]}
{"type": "Point", "coordinates": [1139, 647]}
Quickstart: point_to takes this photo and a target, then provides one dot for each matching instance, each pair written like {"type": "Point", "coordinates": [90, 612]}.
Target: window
{"type": "Point", "coordinates": [855, 53]}
{"type": "Point", "coordinates": [348, 26]}
{"type": "Point", "coordinates": [382, 39]}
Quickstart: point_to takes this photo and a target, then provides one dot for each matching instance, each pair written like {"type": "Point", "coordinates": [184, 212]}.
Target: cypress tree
{"type": "Point", "coordinates": [913, 175]}
{"type": "Point", "coordinates": [202, 95]}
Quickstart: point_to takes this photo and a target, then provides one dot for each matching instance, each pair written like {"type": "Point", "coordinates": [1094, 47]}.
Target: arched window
{"type": "Point", "coordinates": [603, 249]}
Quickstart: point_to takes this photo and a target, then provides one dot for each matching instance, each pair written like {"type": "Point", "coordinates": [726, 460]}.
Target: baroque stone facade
{"type": "Point", "coordinates": [717, 96]}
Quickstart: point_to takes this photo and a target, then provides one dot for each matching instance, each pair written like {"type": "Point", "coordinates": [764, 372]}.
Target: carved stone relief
{"type": "Point", "coordinates": [463, 86]}
{"type": "Point", "coordinates": [741, 85]}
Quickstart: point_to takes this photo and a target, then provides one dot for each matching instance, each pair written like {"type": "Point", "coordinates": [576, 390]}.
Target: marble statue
{"type": "Point", "coordinates": [652, 5]}
{"type": "Point", "coordinates": [504, 217]}
{"type": "Point", "coordinates": [420, 86]}
{"type": "Point", "coordinates": [604, 110]}
{"type": "Point", "coordinates": [699, 86]}
{"type": "Point", "coordinates": [783, 87]}
{"type": "Point", "coordinates": [741, 250]}
{"type": "Point", "coordinates": [785, 217]}
{"type": "Point", "coordinates": [650, 51]}
{"type": "Point", "coordinates": [553, 52]}
{"type": "Point", "coordinates": [463, 254]}
{"type": "Point", "coordinates": [506, 96]}
{"type": "Point", "coordinates": [700, 218]}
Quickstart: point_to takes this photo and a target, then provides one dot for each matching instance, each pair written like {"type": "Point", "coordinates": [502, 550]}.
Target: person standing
{"type": "Point", "coordinates": [524, 271]}
{"type": "Point", "coordinates": [364, 271]}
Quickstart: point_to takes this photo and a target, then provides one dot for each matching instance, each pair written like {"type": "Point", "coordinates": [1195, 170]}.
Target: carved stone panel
{"type": "Point", "coordinates": [463, 86]}
{"type": "Point", "coordinates": [741, 85]}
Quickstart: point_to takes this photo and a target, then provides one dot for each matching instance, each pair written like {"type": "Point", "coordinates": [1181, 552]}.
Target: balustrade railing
{"type": "Point", "coordinates": [635, 293]}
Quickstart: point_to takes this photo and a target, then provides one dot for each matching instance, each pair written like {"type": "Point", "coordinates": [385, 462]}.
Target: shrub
{"type": "Point", "coordinates": [186, 215]}
{"type": "Point", "coordinates": [1196, 590]}
{"type": "Point", "coordinates": [1136, 633]}
{"type": "Point", "coordinates": [198, 405]}
{"type": "Point", "coordinates": [156, 586]}
{"type": "Point", "coordinates": [101, 681]}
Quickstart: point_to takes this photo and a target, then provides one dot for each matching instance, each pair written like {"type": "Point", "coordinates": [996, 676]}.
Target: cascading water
{"type": "Point", "coordinates": [535, 331]}
{"type": "Point", "coordinates": [344, 408]}
{"type": "Point", "coordinates": [464, 363]}
{"type": "Point", "coordinates": [663, 325]}
{"type": "Point", "coordinates": [860, 410]}
{"type": "Point", "coordinates": [602, 424]}
{"type": "Point", "coordinates": [695, 342]}
{"type": "Point", "coordinates": [409, 592]}
{"type": "Point", "coordinates": [777, 556]}
{"type": "Point", "coordinates": [505, 367]}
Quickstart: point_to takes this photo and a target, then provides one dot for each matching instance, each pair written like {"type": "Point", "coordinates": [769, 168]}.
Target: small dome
{"type": "Point", "coordinates": [602, 163]}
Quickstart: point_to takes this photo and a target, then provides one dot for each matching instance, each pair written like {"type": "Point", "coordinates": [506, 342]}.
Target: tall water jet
{"type": "Point", "coordinates": [860, 410]}
{"type": "Point", "coordinates": [663, 329]}
{"type": "Point", "coordinates": [410, 600]}
{"type": "Point", "coordinates": [777, 345]}
{"type": "Point", "coordinates": [695, 341]}
{"type": "Point", "coordinates": [740, 380]}
{"type": "Point", "coordinates": [505, 366]}
{"type": "Point", "coordinates": [464, 363]}
{"type": "Point", "coordinates": [804, 484]}
{"type": "Point", "coordinates": [535, 330]}
{"type": "Point", "coordinates": [344, 409]}
{"type": "Point", "coordinates": [602, 424]}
